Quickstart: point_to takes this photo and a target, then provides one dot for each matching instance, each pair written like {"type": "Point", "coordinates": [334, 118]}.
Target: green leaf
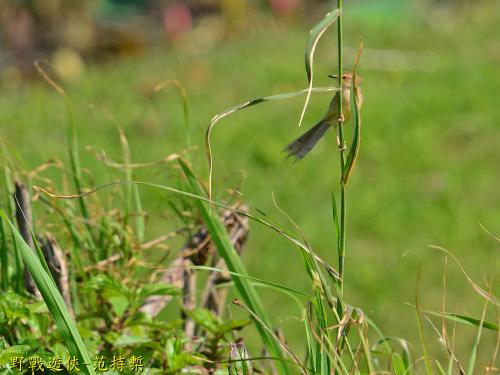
{"type": "Point", "coordinates": [159, 289]}
{"type": "Point", "coordinates": [118, 301]}
{"type": "Point", "coordinates": [13, 351]}
{"type": "Point", "coordinates": [128, 340]}
{"type": "Point", "coordinates": [398, 364]}
{"type": "Point", "coordinates": [206, 319]}
{"type": "Point", "coordinates": [54, 301]}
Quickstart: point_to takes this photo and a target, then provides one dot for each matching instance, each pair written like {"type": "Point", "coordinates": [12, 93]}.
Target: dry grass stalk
{"type": "Point", "coordinates": [24, 220]}
{"type": "Point", "coordinates": [189, 302]}
{"type": "Point", "coordinates": [197, 251]}
{"type": "Point", "coordinates": [56, 261]}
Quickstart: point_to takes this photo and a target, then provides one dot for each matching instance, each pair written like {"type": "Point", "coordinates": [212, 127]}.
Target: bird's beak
{"type": "Point", "coordinates": [334, 76]}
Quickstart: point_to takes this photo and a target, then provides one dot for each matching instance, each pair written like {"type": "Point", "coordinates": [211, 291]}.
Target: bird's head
{"type": "Point", "coordinates": [347, 78]}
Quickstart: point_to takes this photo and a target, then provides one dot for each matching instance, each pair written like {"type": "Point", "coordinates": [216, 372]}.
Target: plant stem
{"type": "Point", "coordinates": [341, 249]}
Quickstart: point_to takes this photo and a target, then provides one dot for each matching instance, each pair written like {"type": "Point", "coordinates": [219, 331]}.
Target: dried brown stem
{"type": "Point", "coordinates": [56, 261]}
{"type": "Point", "coordinates": [197, 251]}
{"type": "Point", "coordinates": [24, 220]}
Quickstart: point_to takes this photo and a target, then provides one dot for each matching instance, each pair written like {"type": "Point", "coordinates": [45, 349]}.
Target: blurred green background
{"type": "Point", "coordinates": [428, 168]}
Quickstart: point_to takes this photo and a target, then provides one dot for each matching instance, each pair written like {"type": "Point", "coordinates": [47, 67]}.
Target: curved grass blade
{"type": "Point", "coordinates": [464, 319]}
{"type": "Point", "coordinates": [356, 138]}
{"type": "Point", "coordinates": [483, 293]}
{"type": "Point", "coordinates": [100, 154]}
{"type": "Point", "coordinates": [304, 248]}
{"type": "Point", "coordinates": [488, 232]}
{"type": "Point", "coordinates": [233, 261]}
{"type": "Point", "coordinates": [279, 287]}
{"type": "Point", "coordinates": [247, 104]}
{"type": "Point", "coordinates": [312, 41]}
{"type": "Point", "coordinates": [54, 301]}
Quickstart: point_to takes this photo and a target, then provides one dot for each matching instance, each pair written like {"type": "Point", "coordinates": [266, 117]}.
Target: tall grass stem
{"type": "Point", "coordinates": [341, 240]}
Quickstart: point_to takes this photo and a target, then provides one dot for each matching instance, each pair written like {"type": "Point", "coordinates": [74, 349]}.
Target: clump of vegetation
{"type": "Point", "coordinates": [108, 303]}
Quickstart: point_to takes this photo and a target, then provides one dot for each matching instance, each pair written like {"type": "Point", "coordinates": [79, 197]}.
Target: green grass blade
{"type": "Point", "coordinates": [4, 259]}
{"type": "Point", "coordinates": [322, 322]}
{"type": "Point", "coordinates": [234, 264]}
{"type": "Point", "coordinates": [336, 222]}
{"type": "Point", "coordinates": [464, 319]}
{"type": "Point", "coordinates": [140, 225]}
{"type": "Point", "coordinates": [303, 247]}
{"type": "Point", "coordinates": [473, 355]}
{"type": "Point", "coordinates": [421, 334]}
{"type": "Point", "coordinates": [73, 148]}
{"type": "Point", "coordinates": [312, 41]}
{"type": "Point", "coordinates": [440, 368]}
{"type": "Point", "coordinates": [54, 302]}
{"type": "Point", "coordinates": [74, 157]}
{"type": "Point", "coordinates": [279, 287]}
{"type": "Point", "coordinates": [129, 188]}
{"type": "Point", "coordinates": [310, 342]}
{"type": "Point", "coordinates": [127, 161]}
{"type": "Point", "coordinates": [356, 139]}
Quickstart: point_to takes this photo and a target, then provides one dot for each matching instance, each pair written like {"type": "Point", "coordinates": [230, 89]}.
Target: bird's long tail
{"type": "Point", "coordinates": [305, 143]}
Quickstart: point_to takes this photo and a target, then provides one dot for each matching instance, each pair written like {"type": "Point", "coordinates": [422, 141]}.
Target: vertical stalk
{"type": "Point", "coordinates": [19, 267]}
{"type": "Point", "coordinates": [4, 259]}
{"type": "Point", "coordinates": [341, 249]}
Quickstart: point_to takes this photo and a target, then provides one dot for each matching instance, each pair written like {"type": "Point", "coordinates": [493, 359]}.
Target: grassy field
{"type": "Point", "coordinates": [427, 172]}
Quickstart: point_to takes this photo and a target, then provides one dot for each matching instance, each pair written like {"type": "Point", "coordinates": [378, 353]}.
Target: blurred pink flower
{"type": "Point", "coordinates": [177, 20]}
{"type": "Point", "coordinates": [284, 8]}
{"type": "Point", "coordinates": [19, 30]}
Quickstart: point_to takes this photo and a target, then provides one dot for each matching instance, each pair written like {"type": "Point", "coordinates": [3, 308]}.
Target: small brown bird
{"type": "Point", "coordinates": [305, 143]}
